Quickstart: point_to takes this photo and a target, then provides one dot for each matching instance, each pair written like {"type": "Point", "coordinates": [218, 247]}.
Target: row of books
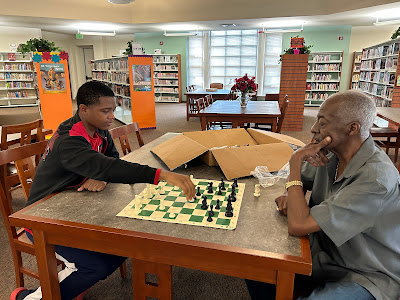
{"type": "Point", "coordinates": [381, 51]}
{"type": "Point", "coordinates": [120, 65]}
{"type": "Point", "coordinates": [322, 77]}
{"type": "Point", "coordinates": [379, 64]}
{"type": "Point", "coordinates": [326, 67]}
{"type": "Point", "coordinates": [356, 68]}
{"type": "Point", "coordinates": [161, 75]}
{"type": "Point", "coordinates": [378, 77]}
{"type": "Point", "coordinates": [21, 94]}
{"type": "Point", "coordinates": [321, 58]}
{"type": "Point", "coordinates": [322, 86]}
{"type": "Point", "coordinates": [355, 86]}
{"type": "Point", "coordinates": [356, 77]}
{"type": "Point", "coordinates": [376, 89]}
{"type": "Point", "coordinates": [165, 82]}
{"type": "Point", "coordinates": [113, 77]}
{"type": "Point", "coordinates": [166, 90]}
{"type": "Point", "coordinates": [379, 102]}
{"type": "Point", "coordinates": [317, 96]}
{"type": "Point", "coordinates": [17, 67]}
{"type": "Point", "coordinates": [18, 84]}
{"type": "Point", "coordinates": [166, 99]}
{"type": "Point", "coordinates": [165, 59]}
{"type": "Point", "coordinates": [121, 90]}
{"type": "Point", "coordinates": [358, 58]}
{"type": "Point", "coordinates": [166, 68]}
{"type": "Point", "coordinates": [16, 76]}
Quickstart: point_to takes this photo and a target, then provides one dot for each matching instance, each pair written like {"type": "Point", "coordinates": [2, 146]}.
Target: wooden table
{"type": "Point", "coordinates": [191, 96]}
{"type": "Point", "coordinates": [259, 248]}
{"type": "Point", "coordinates": [230, 111]}
{"type": "Point", "coordinates": [390, 114]}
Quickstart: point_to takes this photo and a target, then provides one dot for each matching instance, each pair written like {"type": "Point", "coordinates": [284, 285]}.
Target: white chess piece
{"type": "Point", "coordinates": [138, 204]}
{"type": "Point", "coordinates": [162, 192]}
{"type": "Point", "coordinates": [191, 178]}
{"type": "Point", "coordinates": [162, 206]}
{"type": "Point", "coordinates": [257, 190]}
{"type": "Point", "coordinates": [172, 215]}
{"type": "Point", "coordinates": [148, 193]}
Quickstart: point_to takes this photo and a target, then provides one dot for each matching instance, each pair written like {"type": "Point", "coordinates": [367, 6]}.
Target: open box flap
{"type": "Point", "coordinates": [239, 162]}
{"type": "Point", "coordinates": [267, 137]}
{"type": "Point", "coordinates": [178, 150]}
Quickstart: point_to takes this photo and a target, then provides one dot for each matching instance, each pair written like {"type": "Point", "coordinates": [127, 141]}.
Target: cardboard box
{"type": "Point", "coordinates": [236, 151]}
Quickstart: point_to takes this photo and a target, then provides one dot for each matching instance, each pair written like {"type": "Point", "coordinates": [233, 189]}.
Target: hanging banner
{"type": "Point", "coordinates": [141, 77]}
{"type": "Point", "coordinates": [53, 78]}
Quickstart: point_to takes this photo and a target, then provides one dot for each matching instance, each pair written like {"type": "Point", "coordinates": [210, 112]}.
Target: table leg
{"type": "Point", "coordinates": [47, 267]}
{"type": "Point", "coordinates": [203, 123]}
{"type": "Point", "coordinates": [142, 289]}
{"type": "Point", "coordinates": [274, 126]}
{"type": "Point", "coordinates": [187, 108]}
{"type": "Point", "coordinates": [284, 285]}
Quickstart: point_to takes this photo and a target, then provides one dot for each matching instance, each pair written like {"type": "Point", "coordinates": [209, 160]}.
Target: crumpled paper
{"type": "Point", "coordinates": [266, 178]}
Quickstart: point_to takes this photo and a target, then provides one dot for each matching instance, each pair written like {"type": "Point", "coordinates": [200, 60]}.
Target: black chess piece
{"type": "Point", "coordinates": [233, 196]}
{"type": "Point", "coordinates": [219, 190]}
{"type": "Point", "coordinates": [198, 191]}
{"type": "Point", "coordinates": [229, 212]}
{"type": "Point", "coordinates": [217, 206]}
{"type": "Point", "coordinates": [211, 210]}
{"type": "Point", "coordinates": [222, 184]}
{"type": "Point", "coordinates": [209, 219]}
{"type": "Point", "coordinates": [204, 204]}
{"type": "Point", "coordinates": [235, 181]}
{"type": "Point", "coordinates": [233, 187]}
{"type": "Point", "coordinates": [210, 189]}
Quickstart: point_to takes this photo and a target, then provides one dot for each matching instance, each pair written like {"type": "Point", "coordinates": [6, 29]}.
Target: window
{"type": "Point", "coordinates": [233, 53]}
{"type": "Point", "coordinates": [272, 67]}
{"type": "Point", "coordinates": [195, 61]}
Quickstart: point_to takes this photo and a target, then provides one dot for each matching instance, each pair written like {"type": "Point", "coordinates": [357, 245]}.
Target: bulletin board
{"type": "Point", "coordinates": [54, 87]}
{"type": "Point", "coordinates": [142, 90]}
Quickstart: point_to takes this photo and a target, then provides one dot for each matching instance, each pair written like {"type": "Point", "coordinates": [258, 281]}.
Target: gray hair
{"type": "Point", "coordinates": [355, 106]}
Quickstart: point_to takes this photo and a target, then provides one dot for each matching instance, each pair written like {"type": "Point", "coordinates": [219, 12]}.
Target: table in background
{"type": "Point", "coordinates": [390, 114]}
{"type": "Point", "coordinates": [260, 247]}
{"type": "Point", "coordinates": [264, 112]}
{"type": "Point", "coordinates": [191, 96]}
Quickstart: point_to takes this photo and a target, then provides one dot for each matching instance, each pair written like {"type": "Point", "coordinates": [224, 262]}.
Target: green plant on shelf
{"type": "Point", "coordinates": [396, 33]}
{"type": "Point", "coordinates": [305, 50]}
{"type": "Point", "coordinates": [40, 45]}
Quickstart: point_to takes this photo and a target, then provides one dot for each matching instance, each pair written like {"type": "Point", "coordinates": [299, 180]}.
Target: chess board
{"type": "Point", "coordinates": [186, 212]}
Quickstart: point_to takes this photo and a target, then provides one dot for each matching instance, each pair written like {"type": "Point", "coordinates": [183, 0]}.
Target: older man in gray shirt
{"type": "Point", "coordinates": [353, 216]}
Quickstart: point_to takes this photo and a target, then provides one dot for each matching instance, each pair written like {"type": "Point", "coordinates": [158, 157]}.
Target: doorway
{"type": "Point", "coordinates": [88, 56]}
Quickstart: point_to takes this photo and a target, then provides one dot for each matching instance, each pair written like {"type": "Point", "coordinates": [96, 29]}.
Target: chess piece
{"type": "Point", "coordinates": [204, 204]}
{"type": "Point", "coordinates": [138, 204]}
{"type": "Point", "coordinates": [229, 212]}
{"type": "Point", "coordinates": [218, 206]}
{"type": "Point", "coordinates": [233, 196]}
{"type": "Point", "coordinates": [257, 190]}
{"type": "Point", "coordinates": [162, 206]}
{"type": "Point", "coordinates": [219, 190]}
{"type": "Point", "coordinates": [210, 189]}
{"type": "Point", "coordinates": [235, 182]}
{"type": "Point", "coordinates": [222, 184]}
{"type": "Point", "coordinates": [191, 177]}
{"type": "Point", "coordinates": [198, 191]}
{"type": "Point", "coordinates": [172, 215]}
{"type": "Point", "coordinates": [162, 192]}
{"type": "Point", "coordinates": [209, 219]}
{"type": "Point", "coordinates": [211, 210]}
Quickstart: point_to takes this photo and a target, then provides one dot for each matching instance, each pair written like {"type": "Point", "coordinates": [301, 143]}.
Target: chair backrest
{"type": "Point", "coordinates": [283, 109]}
{"type": "Point", "coordinates": [232, 95]}
{"type": "Point", "coordinates": [207, 100]}
{"type": "Point", "coordinates": [25, 130]}
{"type": "Point", "coordinates": [271, 97]}
{"type": "Point", "coordinates": [217, 85]}
{"type": "Point", "coordinates": [200, 104]}
{"type": "Point", "coordinates": [122, 132]}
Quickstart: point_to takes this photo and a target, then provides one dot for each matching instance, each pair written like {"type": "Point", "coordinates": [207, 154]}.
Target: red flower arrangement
{"type": "Point", "coordinates": [245, 84]}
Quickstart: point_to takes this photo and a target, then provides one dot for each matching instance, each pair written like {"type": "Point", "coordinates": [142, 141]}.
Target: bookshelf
{"type": "Point", "coordinates": [355, 70]}
{"type": "Point", "coordinates": [167, 77]}
{"type": "Point", "coordinates": [378, 73]}
{"type": "Point", "coordinates": [114, 72]}
{"type": "Point", "coordinates": [17, 80]}
{"type": "Point", "coordinates": [323, 76]}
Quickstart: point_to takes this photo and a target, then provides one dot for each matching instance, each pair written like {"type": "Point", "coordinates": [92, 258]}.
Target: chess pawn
{"type": "Point", "coordinates": [257, 190]}
{"type": "Point", "coordinates": [162, 192]}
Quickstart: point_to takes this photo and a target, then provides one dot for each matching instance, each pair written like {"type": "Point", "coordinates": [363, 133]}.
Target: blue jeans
{"type": "Point", "coordinates": [328, 291]}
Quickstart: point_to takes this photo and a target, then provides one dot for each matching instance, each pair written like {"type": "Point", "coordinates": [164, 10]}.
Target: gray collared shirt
{"type": "Point", "coordinates": [359, 217]}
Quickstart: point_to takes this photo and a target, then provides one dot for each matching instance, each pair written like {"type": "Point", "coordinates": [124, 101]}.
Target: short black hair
{"type": "Point", "coordinates": [90, 92]}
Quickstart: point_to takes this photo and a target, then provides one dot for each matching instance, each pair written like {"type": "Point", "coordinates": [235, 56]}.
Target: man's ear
{"type": "Point", "coordinates": [353, 128]}
{"type": "Point", "coordinates": [82, 108]}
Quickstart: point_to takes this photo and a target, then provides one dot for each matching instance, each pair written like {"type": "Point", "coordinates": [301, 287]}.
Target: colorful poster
{"type": "Point", "coordinates": [141, 77]}
{"type": "Point", "coordinates": [53, 78]}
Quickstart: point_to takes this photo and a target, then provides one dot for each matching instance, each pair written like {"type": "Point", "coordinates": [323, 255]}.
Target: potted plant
{"type": "Point", "coordinates": [396, 33]}
{"type": "Point", "coordinates": [40, 45]}
{"type": "Point", "coordinates": [128, 49]}
{"type": "Point", "coordinates": [305, 50]}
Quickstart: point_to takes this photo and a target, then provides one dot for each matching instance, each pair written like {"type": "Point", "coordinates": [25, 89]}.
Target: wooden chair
{"type": "Point", "coordinates": [19, 242]}
{"type": "Point", "coordinates": [122, 132]}
{"type": "Point", "coordinates": [200, 104]}
{"type": "Point", "coordinates": [217, 85]}
{"type": "Point", "coordinates": [272, 97]}
{"type": "Point", "coordinates": [388, 133]}
{"type": "Point", "coordinates": [8, 175]}
{"type": "Point", "coordinates": [283, 109]}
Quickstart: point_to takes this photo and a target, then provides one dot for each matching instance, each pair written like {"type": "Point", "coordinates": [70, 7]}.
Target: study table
{"type": "Point", "coordinates": [219, 94]}
{"type": "Point", "coordinates": [266, 112]}
{"type": "Point", "coordinates": [391, 114]}
{"type": "Point", "coordinates": [260, 247]}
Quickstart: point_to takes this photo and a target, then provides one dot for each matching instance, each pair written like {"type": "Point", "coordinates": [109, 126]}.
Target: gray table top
{"type": "Point", "coordinates": [262, 108]}
{"type": "Point", "coordinates": [260, 226]}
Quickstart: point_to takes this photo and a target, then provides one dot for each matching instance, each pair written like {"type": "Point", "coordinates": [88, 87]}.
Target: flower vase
{"type": "Point", "coordinates": [244, 98]}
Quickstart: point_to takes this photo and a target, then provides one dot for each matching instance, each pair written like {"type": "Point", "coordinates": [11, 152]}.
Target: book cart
{"type": "Point", "coordinates": [323, 76]}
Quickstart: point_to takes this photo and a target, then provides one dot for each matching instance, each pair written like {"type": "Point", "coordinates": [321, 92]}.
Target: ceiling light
{"type": "Point", "coordinates": [283, 23]}
{"type": "Point", "coordinates": [180, 34]}
{"type": "Point", "coordinates": [180, 27]}
{"type": "Point", "coordinates": [280, 30]}
{"type": "Point", "coordinates": [386, 14]}
{"type": "Point", "coordinates": [120, 1]}
{"type": "Point", "coordinates": [387, 22]}
{"type": "Point", "coordinates": [227, 25]}
{"type": "Point", "coordinates": [96, 33]}
{"type": "Point", "coordinates": [96, 27]}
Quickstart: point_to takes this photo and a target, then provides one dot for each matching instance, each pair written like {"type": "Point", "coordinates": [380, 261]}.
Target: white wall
{"type": "Point", "coordinates": [16, 35]}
